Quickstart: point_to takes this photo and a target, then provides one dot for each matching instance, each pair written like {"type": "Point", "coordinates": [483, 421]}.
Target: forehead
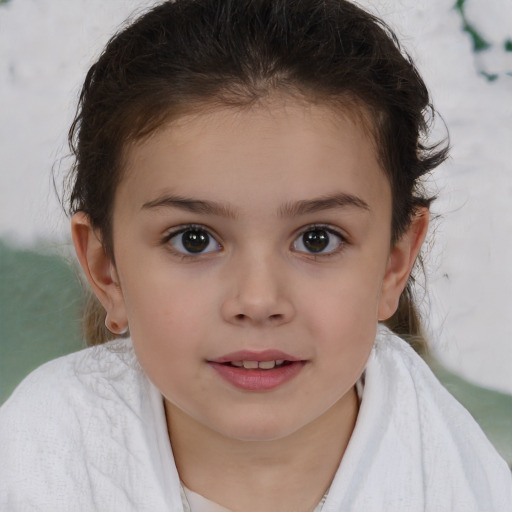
{"type": "Point", "coordinates": [280, 150]}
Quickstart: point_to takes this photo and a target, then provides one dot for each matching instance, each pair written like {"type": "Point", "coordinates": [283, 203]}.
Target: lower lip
{"type": "Point", "coordinates": [256, 379]}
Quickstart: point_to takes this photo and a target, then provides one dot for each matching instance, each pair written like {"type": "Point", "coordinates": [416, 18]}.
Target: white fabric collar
{"type": "Point", "coordinates": [414, 447]}
{"type": "Point", "coordinates": [88, 432]}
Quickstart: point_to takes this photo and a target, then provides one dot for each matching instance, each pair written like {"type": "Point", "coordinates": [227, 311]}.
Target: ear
{"type": "Point", "coordinates": [100, 271]}
{"type": "Point", "coordinates": [400, 262]}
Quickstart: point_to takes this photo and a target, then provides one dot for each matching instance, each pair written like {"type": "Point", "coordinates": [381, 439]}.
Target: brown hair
{"type": "Point", "coordinates": [187, 53]}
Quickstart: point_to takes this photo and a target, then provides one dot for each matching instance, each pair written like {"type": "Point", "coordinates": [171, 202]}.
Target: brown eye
{"type": "Point", "coordinates": [315, 241]}
{"type": "Point", "coordinates": [194, 241]}
{"type": "Point", "coordinates": [318, 241]}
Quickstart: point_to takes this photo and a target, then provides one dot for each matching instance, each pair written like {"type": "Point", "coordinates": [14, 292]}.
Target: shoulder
{"type": "Point", "coordinates": [61, 393]}
{"type": "Point", "coordinates": [65, 420]}
{"type": "Point", "coordinates": [457, 459]}
{"type": "Point", "coordinates": [72, 375]}
{"type": "Point", "coordinates": [420, 390]}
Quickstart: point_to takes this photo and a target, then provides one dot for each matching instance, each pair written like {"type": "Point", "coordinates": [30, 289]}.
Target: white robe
{"type": "Point", "coordinates": [87, 432]}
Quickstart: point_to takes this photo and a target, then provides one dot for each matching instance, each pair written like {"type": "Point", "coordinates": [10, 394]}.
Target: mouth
{"type": "Point", "coordinates": [262, 371]}
{"type": "Point", "coordinates": [261, 365]}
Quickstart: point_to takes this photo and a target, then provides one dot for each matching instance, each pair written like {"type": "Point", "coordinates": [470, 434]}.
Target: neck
{"type": "Point", "coordinates": [287, 474]}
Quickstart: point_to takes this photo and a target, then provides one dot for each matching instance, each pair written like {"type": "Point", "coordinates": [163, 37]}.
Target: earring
{"type": "Point", "coordinates": [114, 327]}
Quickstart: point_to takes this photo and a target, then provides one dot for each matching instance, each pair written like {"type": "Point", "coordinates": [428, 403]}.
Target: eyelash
{"type": "Point", "coordinates": [342, 241]}
{"type": "Point", "coordinates": [183, 229]}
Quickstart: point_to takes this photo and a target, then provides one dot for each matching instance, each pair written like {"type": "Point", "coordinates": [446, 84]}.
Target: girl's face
{"type": "Point", "coordinates": [245, 238]}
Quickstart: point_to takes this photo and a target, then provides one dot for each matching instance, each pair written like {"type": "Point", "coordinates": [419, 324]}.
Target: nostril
{"type": "Point", "coordinates": [273, 318]}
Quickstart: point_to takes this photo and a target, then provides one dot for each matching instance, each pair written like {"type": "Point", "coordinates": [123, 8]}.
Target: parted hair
{"type": "Point", "coordinates": [185, 55]}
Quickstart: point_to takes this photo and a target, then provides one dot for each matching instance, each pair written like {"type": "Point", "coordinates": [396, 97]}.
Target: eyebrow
{"type": "Point", "coordinates": [303, 207]}
{"type": "Point", "coordinates": [191, 205]}
{"type": "Point", "coordinates": [329, 202]}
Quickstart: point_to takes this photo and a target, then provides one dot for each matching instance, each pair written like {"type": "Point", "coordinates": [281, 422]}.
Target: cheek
{"type": "Point", "coordinates": [342, 319]}
{"type": "Point", "coordinates": [345, 298]}
{"type": "Point", "coordinates": [345, 326]}
{"type": "Point", "coordinates": [168, 332]}
{"type": "Point", "coordinates": [168, 317]}
{"type": "Point", "coordinates": [160, 298]}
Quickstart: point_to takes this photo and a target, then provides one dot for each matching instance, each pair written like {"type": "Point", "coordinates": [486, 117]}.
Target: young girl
{"type": "Point", "coordinates": [247, 207]}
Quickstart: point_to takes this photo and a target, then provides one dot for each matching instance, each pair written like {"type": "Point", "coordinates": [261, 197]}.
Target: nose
{"type": "Point", "coordinates": [258, 293]}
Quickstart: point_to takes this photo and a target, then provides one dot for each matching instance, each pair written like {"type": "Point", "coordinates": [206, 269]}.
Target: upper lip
{"type": "Point", "coordinates": [249, 355]}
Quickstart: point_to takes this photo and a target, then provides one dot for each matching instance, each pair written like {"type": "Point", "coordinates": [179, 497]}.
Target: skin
{"type": "Point", "coordinates": [256, 287]}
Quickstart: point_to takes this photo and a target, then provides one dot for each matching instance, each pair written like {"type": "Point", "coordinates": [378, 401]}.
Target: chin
{"type": "Point", "coordinates": [259, 430]}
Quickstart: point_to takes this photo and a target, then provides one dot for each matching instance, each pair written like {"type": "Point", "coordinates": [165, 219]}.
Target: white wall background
{"type": "Point", "coordinates": [46, 47]}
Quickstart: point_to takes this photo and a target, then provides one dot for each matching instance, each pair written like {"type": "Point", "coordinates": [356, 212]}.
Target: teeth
{"type": "Point", "coordinates": [253, 365]}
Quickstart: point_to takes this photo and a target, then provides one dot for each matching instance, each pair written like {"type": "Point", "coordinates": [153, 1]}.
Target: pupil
{"type": "Point", "coordinates": [195, 240]}
{"type": "Point", "coordinates": [316, 240]}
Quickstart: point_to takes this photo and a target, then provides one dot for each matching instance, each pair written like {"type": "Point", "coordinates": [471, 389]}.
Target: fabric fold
{"type": "Point", "coordinates": [87, 432]}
